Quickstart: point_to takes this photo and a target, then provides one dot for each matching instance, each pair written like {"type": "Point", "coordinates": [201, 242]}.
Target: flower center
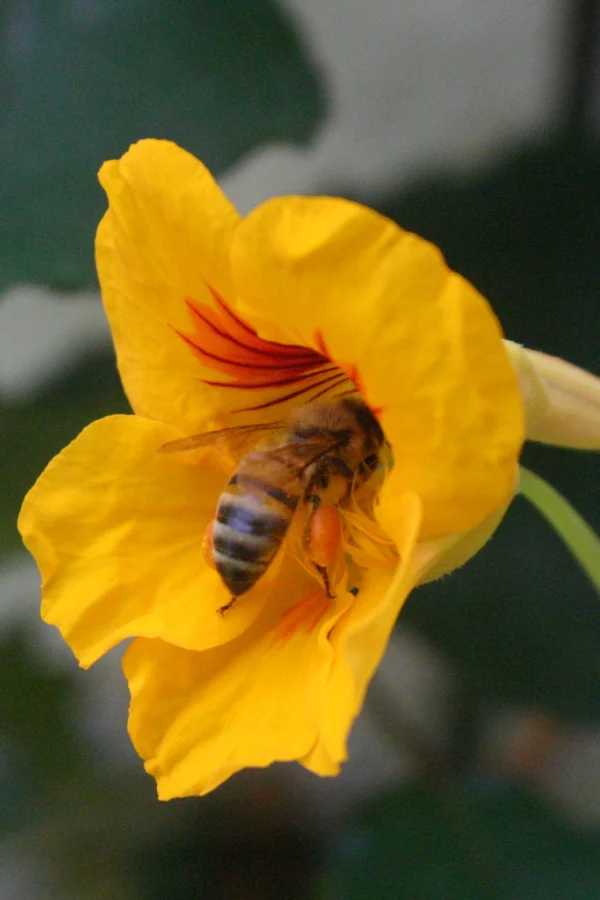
{"type": "Point", "coordinates": [333, 483]}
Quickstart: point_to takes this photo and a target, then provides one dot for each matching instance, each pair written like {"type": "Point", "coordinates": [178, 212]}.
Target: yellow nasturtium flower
{"type": "Point", "coordinates": [219, 321]}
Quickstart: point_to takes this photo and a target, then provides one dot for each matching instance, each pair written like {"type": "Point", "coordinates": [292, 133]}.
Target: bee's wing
{"type": "Point", "coordinates": [296, 456]}
{"type": "Point", "coordinates": [234, 441]}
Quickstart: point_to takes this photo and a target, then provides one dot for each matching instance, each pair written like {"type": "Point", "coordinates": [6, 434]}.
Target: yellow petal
{"type": "Point", "coordinates": [116, 528]}
{"type": "Point", "coordinates": [423, 346]}
{"type": "Point", "coordinates": [165, 236]}
{"type": "Point", "coordinates": [359, 640]}
{"type": "Point", "coordinates": [434, 559]}
{"type": "Point", "coordinates": [196, 718]}
{"type": "Point", "coordinates": [562, 401]}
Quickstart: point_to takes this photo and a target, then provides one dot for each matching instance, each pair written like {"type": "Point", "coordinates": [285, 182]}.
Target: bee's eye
{"type": "Point", "coordinates": [371, 461]}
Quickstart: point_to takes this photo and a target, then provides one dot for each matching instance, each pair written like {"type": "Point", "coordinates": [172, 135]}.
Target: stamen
{"type": "Point", "coordinates": [365, 541]}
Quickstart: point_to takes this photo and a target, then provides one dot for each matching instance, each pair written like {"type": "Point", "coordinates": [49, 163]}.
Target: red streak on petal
{"type": "Point", "coordinates": [331, 387]}
{"type": "Point", "coordinates": [264, 385]}
{"type": "Point", "coordinates": [229, 312]}
{"type": "Point", "coordinates": [357, 379]}
{"type": "Point", "coordinates": [207, 317]}
{"type": "Point", "coordinates": [292, 395]}
{"type": "Point", "coordinates": [222, 341]}
{"type": "Point", "coordinates": [237, 328]}
{"type": "Point", "coordinates": [347, 393]}
{"type": "Point", "coordinates": [232, 365]}
{"type": "Point", "coordinates": [354, 375]}
{"type": "Point", "coordinates": [351, 370]}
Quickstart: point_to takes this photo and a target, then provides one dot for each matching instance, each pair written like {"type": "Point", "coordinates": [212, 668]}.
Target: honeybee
{"type": "Point", "coordinates": [313, 460]}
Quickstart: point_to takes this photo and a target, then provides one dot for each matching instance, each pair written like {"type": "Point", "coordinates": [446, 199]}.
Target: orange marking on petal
{"type": "Point", "coordinates": [246, 342]}
{"type": "Point", "coordinates": [320, 342]}
{"type": "Point", "coordinates": [307, 612]}
{"type": "Point", "coordinates": [351, 371]}
{"type": "Point", "coordinates": [222, 341]}
{"type": "Point", "coordinates": [207, 545]}
{"type": "Point", "coordinates": [354, 375]}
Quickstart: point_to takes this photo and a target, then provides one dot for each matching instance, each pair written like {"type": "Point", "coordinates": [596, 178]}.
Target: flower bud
{"type": "Point", "coordinates": [562, 401]}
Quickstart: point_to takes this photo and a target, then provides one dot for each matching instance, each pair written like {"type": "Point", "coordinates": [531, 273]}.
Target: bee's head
{"type": "Point", "coordinates": [367, 425]}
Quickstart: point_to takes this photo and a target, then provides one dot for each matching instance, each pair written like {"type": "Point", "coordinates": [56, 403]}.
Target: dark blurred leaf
{"type": "Point", "coordinates": [82, 80]}
{"type": "Point", "coordinates": [521, 619]}
{"type": "Point", "coordinates": [275, 866]}
{"type": "Point", "coordinates": [35, 729]}
{"type": "Point", "coordinates": [445, 844]}
{"type": "Point", "coordinates": [254, 839]}
{"type": "Point", "coordinates": [29, 439]}
{"type": "Point", "coordinates": [526, 233]}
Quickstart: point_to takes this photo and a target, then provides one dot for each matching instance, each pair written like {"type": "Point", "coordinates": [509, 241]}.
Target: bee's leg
{"type": "Point", "coordinates": [338, 465]}
{"type": "Point", "coordinates": [332, 465]}
{"type": "Point", "coordinates": [319, 480]}
{"type": "Point", "coordinates": [223, 609]}
{"type": "Point", "coordinates": [313, 501]}
{"type": "Point", "coordinates": [328, 537]}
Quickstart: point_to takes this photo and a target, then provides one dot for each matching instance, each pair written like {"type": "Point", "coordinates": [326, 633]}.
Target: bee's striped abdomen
{"type": "Point", "coordinates": [248, 531]}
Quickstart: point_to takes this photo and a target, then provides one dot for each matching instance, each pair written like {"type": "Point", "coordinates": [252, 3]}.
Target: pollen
{"type": "Point", "coordinates": [325, 536]}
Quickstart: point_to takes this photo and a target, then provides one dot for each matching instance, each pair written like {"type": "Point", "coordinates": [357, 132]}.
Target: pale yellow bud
{"type": "Point", "coordinates": [562, 401]}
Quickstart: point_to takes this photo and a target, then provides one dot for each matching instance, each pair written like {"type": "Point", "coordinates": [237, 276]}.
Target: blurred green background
{"type": "Point", "coordinates": [475, 767]}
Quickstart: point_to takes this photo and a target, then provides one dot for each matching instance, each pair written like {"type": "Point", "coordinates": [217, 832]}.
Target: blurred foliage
{"type": "Point", "coordinates": [242, 860]}
{"type": "Point", "coordinates": [35, 715]}
{"type": "Point", "coordinates": [443, 842]}
{"type": "Point", "coordinates": [28, 442]}
{"type": "Point", "coordinates": [521, 620]}
{"type": "Point", "coordinates": [526, 232]}
{"type": "Point", "coordinates": [35, 739]}
{"type": "Point", "coordinates": [80, 81]}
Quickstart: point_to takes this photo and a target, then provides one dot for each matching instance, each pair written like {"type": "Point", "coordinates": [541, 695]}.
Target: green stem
{"type": "Point", "coordinates": [579, 537]}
